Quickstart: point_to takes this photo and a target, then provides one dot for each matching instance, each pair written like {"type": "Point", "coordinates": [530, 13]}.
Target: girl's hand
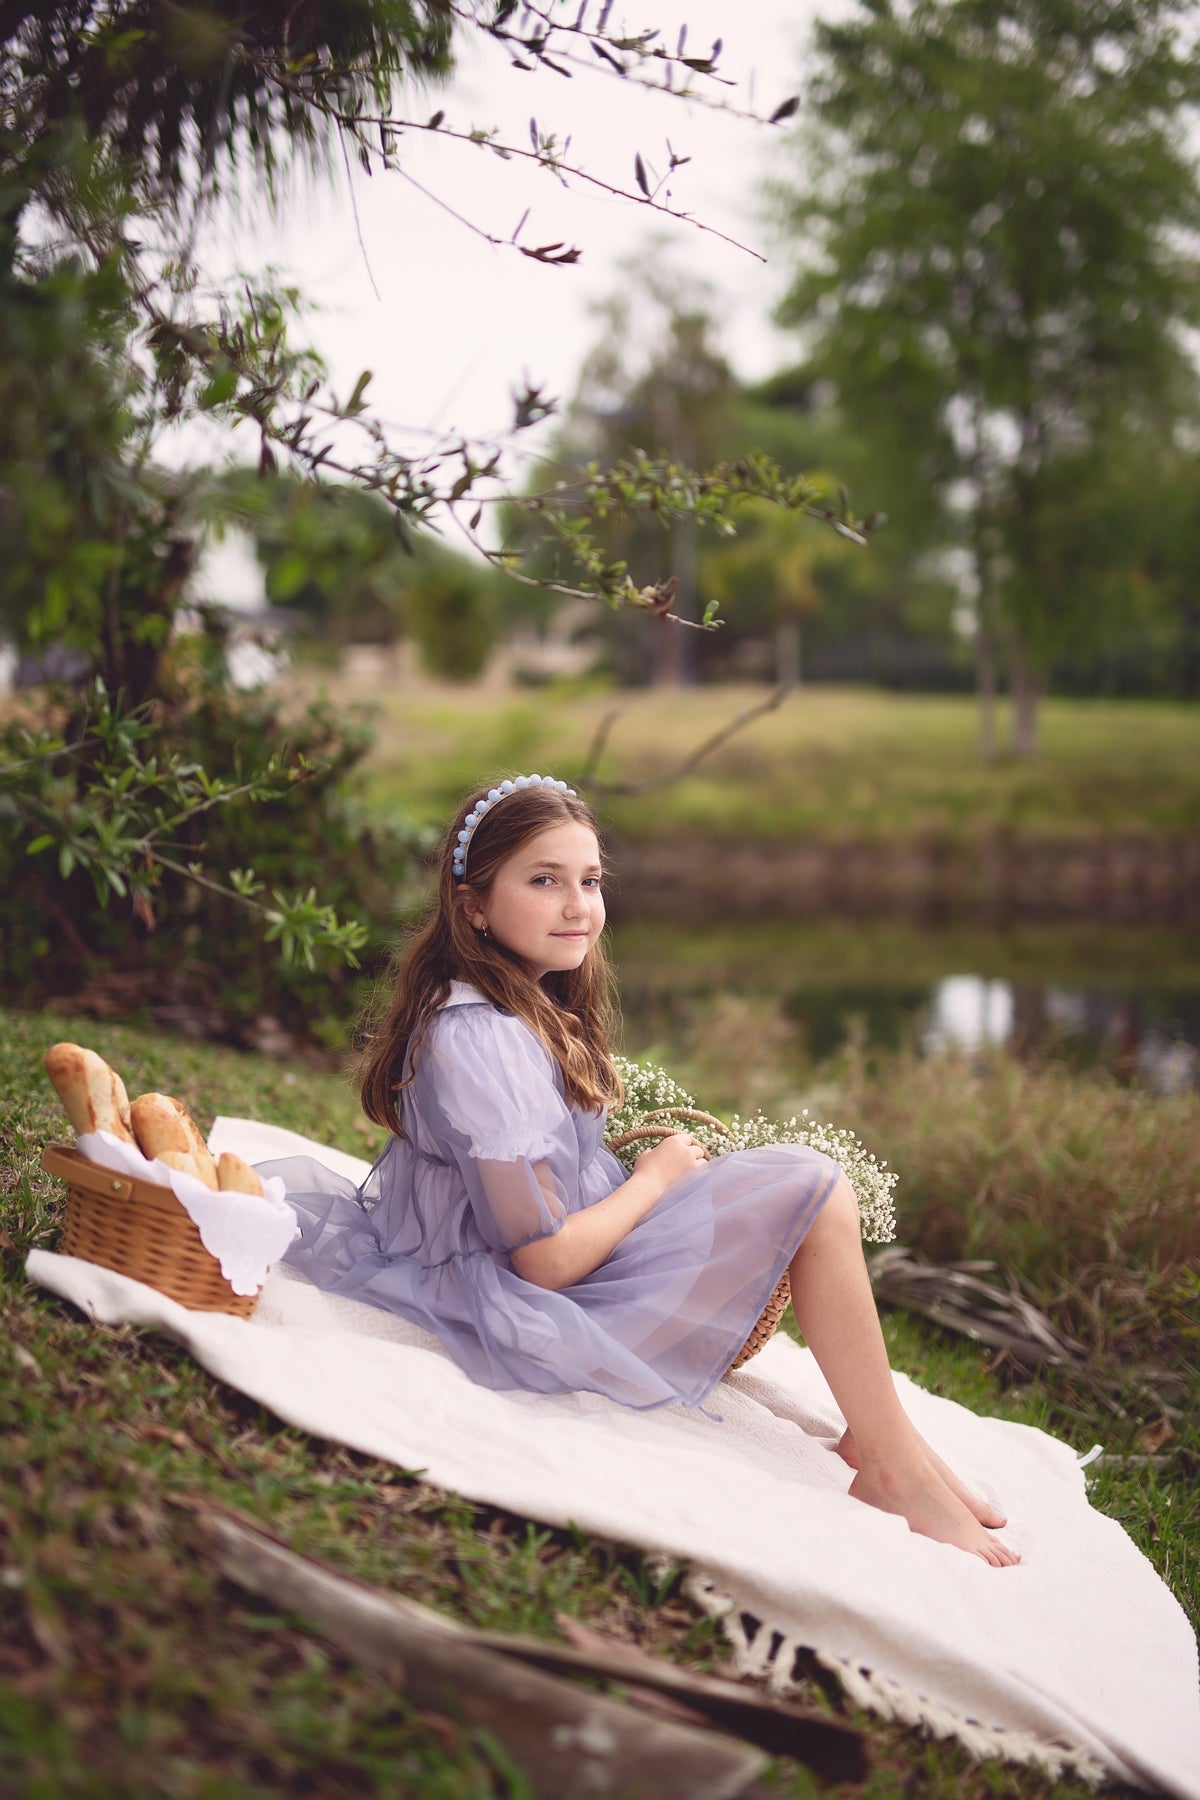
{"type": "Point", "coordinates": [672, 1159]}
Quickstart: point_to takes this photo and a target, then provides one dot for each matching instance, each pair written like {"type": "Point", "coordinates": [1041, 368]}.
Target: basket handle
{"type": "Point", "coordinates": [62, 1160]}
{"type": "Point", "coordinates": [647, 1129]}
{"type": "Point", "coordinates": [638, 1133]}
{"type": "Point", "coordinates": [689, 1112]}
{"type": "Point", "coordinates": [653, 1125]}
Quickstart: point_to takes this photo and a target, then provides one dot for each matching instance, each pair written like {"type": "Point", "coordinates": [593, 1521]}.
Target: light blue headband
{"type": "Point", "coordinates": [494, 797]}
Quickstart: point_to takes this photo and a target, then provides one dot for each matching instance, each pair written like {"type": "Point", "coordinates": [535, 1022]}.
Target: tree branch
{"type": "Point", "coordinates": [682, 769]}
{"type": "Point", "coordinates": [544, 158]}
{"type": "Point", "coordinates": [591, 761]}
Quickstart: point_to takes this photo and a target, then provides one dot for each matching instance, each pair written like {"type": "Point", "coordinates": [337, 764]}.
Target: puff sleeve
{"type": "Point", "coordinates": [490, 1095]}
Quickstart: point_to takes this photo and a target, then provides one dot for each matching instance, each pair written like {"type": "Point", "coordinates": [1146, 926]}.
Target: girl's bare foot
{"type": "Point", "coordinates": [987, 1515]}
{"type": "Point", "coordinates": [915, 1490]}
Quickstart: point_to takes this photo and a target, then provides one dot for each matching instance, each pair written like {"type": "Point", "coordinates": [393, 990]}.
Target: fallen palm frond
{"type": "Point", "coordinates": [957, 1297]}
{"type": "Point", "coordinates": [569, 1740]}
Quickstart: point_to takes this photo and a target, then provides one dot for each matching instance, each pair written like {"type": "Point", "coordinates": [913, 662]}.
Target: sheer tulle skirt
{"type": "Point", "coordinates": [658, 1323]}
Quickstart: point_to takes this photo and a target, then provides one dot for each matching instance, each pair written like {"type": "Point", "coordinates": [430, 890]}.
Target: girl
{"type": "Point", "coordinates": [496, 1218]}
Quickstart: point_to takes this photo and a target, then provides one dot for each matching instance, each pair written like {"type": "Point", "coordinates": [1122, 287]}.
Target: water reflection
{"type": "Point", "coordinates": [967, 1011]}
{"type": "Point", "coordinates": [1153, 1037]}
{"type": "Point", "coordinates": [1127, 1001]}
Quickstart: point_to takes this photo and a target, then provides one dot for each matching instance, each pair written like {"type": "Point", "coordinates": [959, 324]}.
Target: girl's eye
{"type": "Point", "coordinates": [592, 881]}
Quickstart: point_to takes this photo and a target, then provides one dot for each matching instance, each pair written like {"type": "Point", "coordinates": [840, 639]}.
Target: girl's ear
{"type": "Point", "coordinates": [469, 901]}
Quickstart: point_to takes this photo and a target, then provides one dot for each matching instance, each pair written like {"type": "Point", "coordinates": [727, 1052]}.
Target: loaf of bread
{"type": "Point", "coordinates": [184, 1162]}
{"type": "Point", "coordinates": [92, 1093]}
{"type": "Point", "coordinates": [235, 1176]}
{"type": "Point", "coordinates": [164, 1127]}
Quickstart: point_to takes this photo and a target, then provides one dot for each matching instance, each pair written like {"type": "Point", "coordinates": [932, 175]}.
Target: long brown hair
{"type": "Point", "coordinates": [571, 1011]}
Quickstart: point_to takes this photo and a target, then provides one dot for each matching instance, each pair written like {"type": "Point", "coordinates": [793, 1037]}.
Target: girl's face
{"type": "Point", "coordinates": [545, 903]}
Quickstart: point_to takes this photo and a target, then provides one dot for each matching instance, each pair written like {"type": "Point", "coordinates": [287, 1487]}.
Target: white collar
{"type": "Point", "coordinates": [463, 994]}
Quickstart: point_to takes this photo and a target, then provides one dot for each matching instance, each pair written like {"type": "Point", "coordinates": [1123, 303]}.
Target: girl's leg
{"type": "Point", "coordinates": [835, 1308]}
{"type": "Point", "coordinates": [847, 1449]}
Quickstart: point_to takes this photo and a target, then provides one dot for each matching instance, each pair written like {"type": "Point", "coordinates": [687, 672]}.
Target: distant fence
{"type": "Point", "coordinates": [1138, 667]}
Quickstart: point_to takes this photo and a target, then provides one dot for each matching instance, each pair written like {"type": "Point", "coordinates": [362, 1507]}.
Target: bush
{"type": "Point", "coordinates": [187, 950]}
{"type": "Point", "coordinates": [1081, 1188]}
{"type": "Point", "coordinates": [452, 619]}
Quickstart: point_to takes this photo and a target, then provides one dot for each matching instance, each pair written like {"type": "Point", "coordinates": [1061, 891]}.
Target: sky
{"type": "Point", "coordinates": [449, 324]}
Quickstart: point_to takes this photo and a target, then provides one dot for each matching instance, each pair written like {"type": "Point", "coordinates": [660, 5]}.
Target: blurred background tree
{"type": "Point", "coordinates": [329, 552]}
{"type": "Point", "coordinates": [657, 378]}
{"type": "Point", "coordinates": [994, 226]}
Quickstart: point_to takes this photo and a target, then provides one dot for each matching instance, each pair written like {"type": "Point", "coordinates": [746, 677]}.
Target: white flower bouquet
{"type": "Point", "coordinates": [654, 1103]}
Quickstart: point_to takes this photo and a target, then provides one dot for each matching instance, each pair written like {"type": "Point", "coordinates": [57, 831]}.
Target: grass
{"type": "Point", "coordinates": [127, 1670]}
{"type": "Point", "coordinates": [833, 763]}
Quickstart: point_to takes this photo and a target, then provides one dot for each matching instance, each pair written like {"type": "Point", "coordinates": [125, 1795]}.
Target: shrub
{"type": "Point", "coordinates": [177, 942]}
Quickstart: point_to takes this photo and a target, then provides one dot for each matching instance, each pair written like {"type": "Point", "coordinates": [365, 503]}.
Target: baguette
{"type": "Point", "coordinates": [161, 1123]}
{"type": "Point", "coordinates": [182, 1161]}
{"type": "Point", "coordinates": [235, 1176]}
{"type": "Point", "coordinates": [92, 1093]}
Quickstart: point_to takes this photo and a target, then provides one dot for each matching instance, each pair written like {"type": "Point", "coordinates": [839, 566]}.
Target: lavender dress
{"type": "Point", "coordinates": [429, 1233]}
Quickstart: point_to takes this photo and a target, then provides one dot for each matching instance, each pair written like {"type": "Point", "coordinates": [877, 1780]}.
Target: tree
{"type": "Point", "coordinates": [655, 379]}
{"type": "Point", "coordinates": [995, 267]}
{"type": "Point", "coordinates": [883, 617]}
{"type": "Point", "coordinates": [117, 125]}
{"type": "Point", "coordinates": [1171, 564]}
{"type": "Point", "coordinates": [119, 121]}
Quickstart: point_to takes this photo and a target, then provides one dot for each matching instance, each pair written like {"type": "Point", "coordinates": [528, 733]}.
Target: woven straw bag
{"type": "Point", "coordinates": [139, 1229]}
{"type": "Point", "coordinates": [664, 1122]}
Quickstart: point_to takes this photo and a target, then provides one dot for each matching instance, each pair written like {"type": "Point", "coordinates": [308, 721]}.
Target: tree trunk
{"type": "Point", "coordinates": [667, 672]}
{"type": "Point", "coordinates": [985, 686]}
{"type": "Point", "coordinates": [1027, 688]}
{"type": "Point", "coordinates": [787, 653]}
{"type": "Point", "coordinates": [685, 555]}
{"type": "Point", "coordinates": [675, 659]}
{"type": "Point", "coordinates": [139, 614]}
{"type": "Point", "coordinates": [985, 599]}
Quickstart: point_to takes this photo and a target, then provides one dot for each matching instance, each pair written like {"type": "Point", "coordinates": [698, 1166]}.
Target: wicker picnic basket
{"type": "Point", "coordinates": [139, 1229]}
{"type": "Point", "coordinates": [665, 1121]}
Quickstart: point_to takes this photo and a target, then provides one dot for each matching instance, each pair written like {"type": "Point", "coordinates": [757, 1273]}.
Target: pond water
{"type": "Point", "coordinates": [1126, 1000]}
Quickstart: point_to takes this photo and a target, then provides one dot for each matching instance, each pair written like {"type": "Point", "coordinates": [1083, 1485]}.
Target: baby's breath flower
{"type": "Point", "coordinates": [650, 1089]}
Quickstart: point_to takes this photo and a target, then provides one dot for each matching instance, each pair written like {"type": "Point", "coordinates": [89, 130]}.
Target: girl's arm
{"type": "Point", "coordinates": [589, 1237]}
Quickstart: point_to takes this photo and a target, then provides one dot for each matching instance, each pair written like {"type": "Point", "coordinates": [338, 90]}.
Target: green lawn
{"type": "Point", "coordinates": [835, 763]}
{"type": "Point", "coordinates": [126, 1669]}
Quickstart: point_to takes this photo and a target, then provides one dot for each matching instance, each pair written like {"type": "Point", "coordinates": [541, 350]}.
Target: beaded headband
{"type": "Point", "coordinates": [494, 797]}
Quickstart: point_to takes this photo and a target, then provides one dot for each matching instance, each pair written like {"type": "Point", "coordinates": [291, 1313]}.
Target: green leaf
{"type": "Point", "coordinates": [39, 843]}
{"type": "Point", "coordinates": [222, 387]}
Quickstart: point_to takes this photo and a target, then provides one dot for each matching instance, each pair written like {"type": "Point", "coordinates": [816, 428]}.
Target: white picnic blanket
{"type": "Point", "coordinates": [1079, 1658]}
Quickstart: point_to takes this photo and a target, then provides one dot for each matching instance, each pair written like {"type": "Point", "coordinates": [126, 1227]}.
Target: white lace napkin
{"type": "Point", "coordinates": [244, 1232]}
